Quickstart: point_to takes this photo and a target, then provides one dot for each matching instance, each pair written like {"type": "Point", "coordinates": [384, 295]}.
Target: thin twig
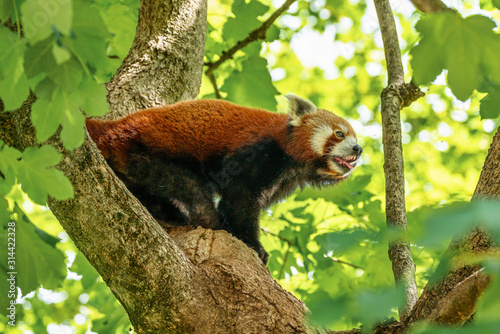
{"type": "Point", "coordinates": [267, 231]}
{"type": "Point", "coordinates": [259, 33]}
{"type": "Point", "coordinates": [214, 84]}
{"type": "Point", "coordinates": [285, 259]}
{"type": "Point", "coordinates": [334, 259]}
{"type": "Point", "coordinates": [288, 242]}
{"type": "Point", "coordinates": [403, 266]}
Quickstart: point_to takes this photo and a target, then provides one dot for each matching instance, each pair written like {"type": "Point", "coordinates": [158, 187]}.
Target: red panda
{"type": "Point", "coordinates": [177, 159]}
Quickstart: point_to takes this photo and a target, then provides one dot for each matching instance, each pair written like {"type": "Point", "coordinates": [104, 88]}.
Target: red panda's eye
{"type": "Point", "coordinates": [339, 134]}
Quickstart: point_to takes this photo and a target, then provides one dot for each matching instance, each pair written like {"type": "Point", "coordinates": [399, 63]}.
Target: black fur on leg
{"type": "Point", "coordinates": [173, 187]}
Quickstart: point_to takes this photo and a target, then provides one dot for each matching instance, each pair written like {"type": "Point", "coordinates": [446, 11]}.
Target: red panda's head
{"type": "Point", "coordinates": [322, 139]}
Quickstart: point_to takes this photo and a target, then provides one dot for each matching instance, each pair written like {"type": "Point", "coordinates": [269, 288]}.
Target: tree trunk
{"type": "Point", "coordinates": [165, 62]}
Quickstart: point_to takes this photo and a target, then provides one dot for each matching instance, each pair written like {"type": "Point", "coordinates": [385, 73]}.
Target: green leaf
{"type": "Point", "coordinates": [341, 242]}
{"type": "Point", "coordinates": [273, 33]}
{"type": "Point", "coordinates": [39, 178]}
{"type": "Point", "coordinates": [46, 116]}
{"type": "Point", "coordinates": [238, 28]}
{"type": "Point", "coordinates": [373, 306]}
{"type": "Point", "coordinates": [489, 106]}
{"type": "Point", "coordinates": [37, 263]}
{"type": "Point", "coordinates": [61, 54]}
{"type": "Point", "coordinates": [89, 36]}
{"type": "Point", "coordinates": [6, 294]}
{"type": "Point", "coordinates": [9, 164]}
{"type": "Point", "coordinates": [4, 211]}
{"type": "Point", "coordinates": [82, 267]}
{"type": "Point", "coordinates": [73, 131]}
{"type": "Point", "coordinates": [96, 103]}
{"type": "Point", "coordinates": [121, 22]}
{"type": "Point", "coordinates": [425, 71]}
{"type": "Point", "coordinates": [252, 86]}
{"type": "Point", "coordinates": [468, 48]}
{"type": "Point", "coordinates": [345, 193]}
{"type": "Point", "coordinates": [67, 76]}
{"type": "Point", "coordinates": [39, 58]}
{"type": "Point", "coordinates": [324, 309]}
{"type": "Point", "coordinates": [458, 218]}
{"type": "Point", "coordinates": [7, 10]}
{"type": "Point", "coordinates": [489, 304]}
{"type": "Point", "coordinates": [87, 21]}
{"type": "Point", "coordinates": [14, 87]}
{"type": "Point", "coordinates": [41, 17]}
{"type": "Point", "coordinates": [116, 320]}
{"type": "Point", "coordinates": [59, 108]}
{"type": "Point", "coordinates": [12, 48]}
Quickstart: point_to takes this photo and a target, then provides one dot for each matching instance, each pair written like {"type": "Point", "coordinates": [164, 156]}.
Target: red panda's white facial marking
{"type": "Point", "coordinates": [319, 138]}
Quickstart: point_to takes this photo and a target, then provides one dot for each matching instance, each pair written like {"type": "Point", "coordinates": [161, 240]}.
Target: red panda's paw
{"type": "Point", "coordinates": [264, 256]}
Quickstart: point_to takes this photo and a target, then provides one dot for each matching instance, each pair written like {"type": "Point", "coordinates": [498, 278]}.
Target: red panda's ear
{"type": "Point", "coordinates": [299, 107]}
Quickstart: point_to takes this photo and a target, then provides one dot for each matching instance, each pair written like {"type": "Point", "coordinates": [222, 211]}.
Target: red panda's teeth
{"type": "Point", "coordinates": [349, 158]}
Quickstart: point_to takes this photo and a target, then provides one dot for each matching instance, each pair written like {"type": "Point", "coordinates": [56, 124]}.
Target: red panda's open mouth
{"type": "Point", "coordinates": [346, 161]}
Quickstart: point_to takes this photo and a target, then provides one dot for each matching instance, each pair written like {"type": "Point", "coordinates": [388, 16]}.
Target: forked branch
{"type": "Point", "coordinates": [394, 97]}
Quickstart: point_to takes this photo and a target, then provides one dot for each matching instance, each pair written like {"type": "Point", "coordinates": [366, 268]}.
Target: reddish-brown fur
{"type": "Point", "coordinates": [213, 127]}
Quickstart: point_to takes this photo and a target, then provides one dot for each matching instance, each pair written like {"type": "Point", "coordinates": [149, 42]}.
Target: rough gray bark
{"type": "Point", "coordinates": [403, 266]}
{"type": "Point", "coordinates": [165, 62]}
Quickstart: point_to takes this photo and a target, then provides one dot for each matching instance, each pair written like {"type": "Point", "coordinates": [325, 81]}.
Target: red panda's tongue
{"type": "Point", "coordinates": [342, 162]}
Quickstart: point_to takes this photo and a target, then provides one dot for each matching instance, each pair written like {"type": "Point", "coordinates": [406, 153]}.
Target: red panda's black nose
{"type": "Point", "coordinates": [357, 149]}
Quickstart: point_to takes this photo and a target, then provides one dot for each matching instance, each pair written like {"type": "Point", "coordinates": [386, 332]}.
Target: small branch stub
{"type": "Point", "coordinates": [409, 93]}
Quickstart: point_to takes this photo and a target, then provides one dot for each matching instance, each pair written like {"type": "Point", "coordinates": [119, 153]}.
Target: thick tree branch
{"type": "Point", "coordinates": [392, 101]}
{"type": "Point", "coordinates": [476, 243]}
{"type": "Point", "coordinates": [459, 304]}
{"type": "Point", "coordinates": [259, 33]}
{"type": "Point", "coordinates": [488, 185]}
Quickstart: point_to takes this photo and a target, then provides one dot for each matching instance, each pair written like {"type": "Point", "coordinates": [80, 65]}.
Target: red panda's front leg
{"type": "Point", "coordinates": [240, 216]}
